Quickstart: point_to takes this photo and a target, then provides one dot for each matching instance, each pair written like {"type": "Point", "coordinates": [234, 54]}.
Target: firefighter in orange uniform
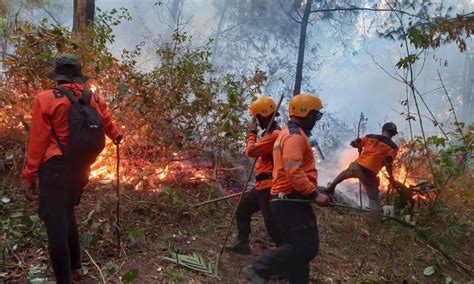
{"type": "Point", "coordinates": [256, 200]}
{"type": "Point", "coordinates": [60, 184]}
{"type": "Point", "coordinates": [377, 151]}
{"type": "Point", "coordinates": [294, 177]}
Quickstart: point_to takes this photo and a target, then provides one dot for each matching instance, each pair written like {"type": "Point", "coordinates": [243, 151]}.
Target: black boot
{"type": "Point", "coordinates": [240, 245]}
{"type": "Point", "coordinates": [252, 275]}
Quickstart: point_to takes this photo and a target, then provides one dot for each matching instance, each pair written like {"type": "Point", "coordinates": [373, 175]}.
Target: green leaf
{"type": "Point", "coordinates": [36, 273]}
{"type": "Point", "coordinates": [35, 218]}
{"type": "Point", "coordinates": [87, 239]}
{"type": "Point", "coordinates": [194, 262]}
{"type": "Point", "coordinates": [89, 217]}
{"type": "Point", "coordinates": [130, 276]}
{"type": "Point", "coordinates": [429, 271]}
{"type": "Point", "coordinates": [134, 233]}
{"type": "Point", "coordinates": [16, 215]}
{"type": "Point", "coordinates": [447, 280]}
{"type": "Point", "coordinates": [111, 268]}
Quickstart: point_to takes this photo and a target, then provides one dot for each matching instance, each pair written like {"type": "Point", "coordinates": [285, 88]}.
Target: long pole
{"type": "Point", "coordinates": [117, 212]}
{"type": "Point", "coordinates": [332, 204]}
{"type": "Point", "coordinates": [360, 152]}
{"type": "Point", "coordinates": [247, 181]}
{"type": "Point", "coordinates": [217, 199]}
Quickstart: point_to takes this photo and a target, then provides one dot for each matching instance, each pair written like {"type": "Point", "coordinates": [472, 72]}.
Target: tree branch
{"type": "Point", "coordinates": [288, 13]}
{"type": "Point", "coordinates": [365, 9]}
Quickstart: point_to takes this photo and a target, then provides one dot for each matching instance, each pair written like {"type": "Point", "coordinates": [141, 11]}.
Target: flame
{"type": "Point", "coordinates": [400, 172]}
{"type": "Point", "coordinates": [93, 87]}
{"type": "Point", "coordinates": [163, 173]}
{"type": "Point", "coordinates": [143, 174]}
{"type": "Point", "coordinates": [104, 166]}
{"type": "Point", "coordinates": [200, 175]}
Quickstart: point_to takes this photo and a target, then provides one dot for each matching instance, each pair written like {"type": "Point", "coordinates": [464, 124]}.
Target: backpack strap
{"type": "Point", "coordinates": [73, 99]}
{"type": "Point", "coordinates": [69, 94]}
{"type": "Point", "coordinates": [56, 137]}
{"type": "Point", "coordinates": [87, 96]}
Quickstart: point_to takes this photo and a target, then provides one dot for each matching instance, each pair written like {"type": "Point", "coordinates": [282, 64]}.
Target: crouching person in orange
{"type": "Point", "coordinates": [294, 177]}
{"type": "Point", "coordinates": [256, 199]}
{"type": "Point", "coordinates": [376, 151]}
{"type": "Point", "coordinates": [67, 134]}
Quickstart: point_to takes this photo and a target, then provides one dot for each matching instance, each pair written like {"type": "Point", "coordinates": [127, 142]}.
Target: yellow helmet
{"type": "Point", "coordinates": [265, 106]}
{"type": "Point", "coordinates": [302, 104]}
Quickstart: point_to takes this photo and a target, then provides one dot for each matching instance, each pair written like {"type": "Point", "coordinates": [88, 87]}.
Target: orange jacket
{"type": "Point", "coordinates": [262, 150]}
{"type": "Point", "coordinates": [294, 169]}
{"type": "Point", "coordinates": [50, 110]}
{"type": "Point", "coordinates": [378, 152]}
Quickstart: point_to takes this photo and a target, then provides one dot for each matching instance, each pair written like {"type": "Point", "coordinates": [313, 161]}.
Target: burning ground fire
{"type": "Point", "coordinates": [141, 174]}
{"type": "Point", "coordinates": [145, 175]}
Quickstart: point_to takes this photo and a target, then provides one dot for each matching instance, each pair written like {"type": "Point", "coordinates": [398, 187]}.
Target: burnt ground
{"type": "Point", "coordinates": [150, 223]}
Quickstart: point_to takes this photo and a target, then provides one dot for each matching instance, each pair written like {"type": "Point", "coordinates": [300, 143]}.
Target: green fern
{"type": "Point", "coordinates": [194, 262]}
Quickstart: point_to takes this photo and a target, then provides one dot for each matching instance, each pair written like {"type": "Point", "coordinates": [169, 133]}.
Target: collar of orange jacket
{"type": "Point", "coordinates": [73, 86]}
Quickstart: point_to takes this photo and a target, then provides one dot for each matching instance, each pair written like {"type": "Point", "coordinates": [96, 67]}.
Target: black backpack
{"type": "Point", "coordinates": [86, 130]}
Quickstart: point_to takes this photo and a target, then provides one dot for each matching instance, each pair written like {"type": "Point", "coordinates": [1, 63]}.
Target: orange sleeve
{"type": "Point", "coordinates": [256, 149]}
{"type": "Point", "coordinates": [39, 138]}
{"type": "Point", "coordinates": [293, 152]}
{"type": "Point", "coordinates": [109, 127]}
{"type": "Point", "coordinates": [363, 141]}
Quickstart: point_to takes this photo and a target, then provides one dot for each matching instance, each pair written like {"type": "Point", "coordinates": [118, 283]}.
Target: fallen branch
{"type": "Point", "coordinates": [217, 199]}
{"type": "Point", "coordinates": [230, 169]}
{"type": "Point", "coordinates": [96, 266]}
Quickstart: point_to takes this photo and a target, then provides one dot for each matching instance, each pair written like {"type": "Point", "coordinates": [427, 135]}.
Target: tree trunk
{"type": "Point", "coordinates": [84, 13]}
{"type": "Point", "coordinates": [468, 89]}
{"type": "Point", "coordinates": [299, 64]}
{"type": "Point", "coordinates": [218, 33]}
{"type": "Point", "coordinates": [174, 9]}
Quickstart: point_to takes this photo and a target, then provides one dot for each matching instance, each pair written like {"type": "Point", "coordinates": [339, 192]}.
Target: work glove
{"type": "Point", "coordinates": [118, 139]}
{"type": "Point", "coordinates": [30, 190]}
{"type": "Point", "coordinates": [356, 143]}
{"type": "Point", "coordinates": [322, 200]}
{"type": "Point", "coordinates": [252, 128]}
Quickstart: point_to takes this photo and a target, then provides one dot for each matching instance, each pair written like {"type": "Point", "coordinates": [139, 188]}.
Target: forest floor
{"type": "Point", "coordinates": [151, 222]}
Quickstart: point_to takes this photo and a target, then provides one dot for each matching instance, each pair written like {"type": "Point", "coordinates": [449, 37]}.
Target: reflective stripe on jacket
{"type": "Point", "coordinates": [294, 169]}
{"type": "Point", "coordinates": [262, 150]}
{"type": "Point", "coordinates": [52, 109]}
{"type": "Point", "coordinates": [378, 152]}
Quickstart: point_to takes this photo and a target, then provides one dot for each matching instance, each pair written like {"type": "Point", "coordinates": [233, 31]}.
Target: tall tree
{"type": "Point", "coordinates": [301, 48]}
{"type": "Point", "coordinates": [84, 13]}
{"type": "Point", "coordinates": [468, 89]}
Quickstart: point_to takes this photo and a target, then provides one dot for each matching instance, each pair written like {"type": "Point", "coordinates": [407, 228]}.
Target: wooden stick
{"type": "Point", "coordinates": [360, 152]}
{"type": "Point", "coordinates": [117, 177]}
{"type": "Point", "coordinates": [229, 227]}
{"type": "Point", "coordinates": [217, 199]}
{"type": "Point", "coordinates": [96, 266]}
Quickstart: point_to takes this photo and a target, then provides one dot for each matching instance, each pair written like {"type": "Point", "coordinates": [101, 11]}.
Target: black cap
{"type": "Point", "coordinates": [67, 68]}
{"type": "Point", "coordinates": [390, 126]}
